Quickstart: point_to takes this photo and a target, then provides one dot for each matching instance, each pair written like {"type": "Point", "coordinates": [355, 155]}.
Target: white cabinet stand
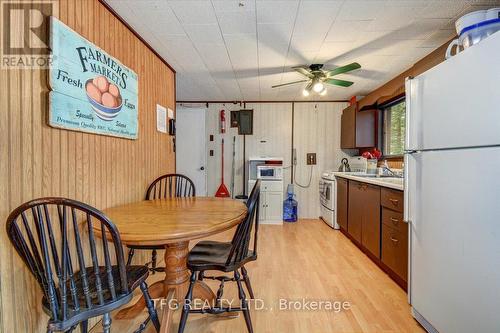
{"type": "Point", "coordinates": [271, 201]}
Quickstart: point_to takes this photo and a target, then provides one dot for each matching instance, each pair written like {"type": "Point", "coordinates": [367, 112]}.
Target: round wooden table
{"type": "Point", "coordinates": [172, 223]}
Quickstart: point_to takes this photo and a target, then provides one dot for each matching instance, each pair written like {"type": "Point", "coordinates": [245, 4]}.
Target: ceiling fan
{"type": "Point", "coordinates": [317, 77]}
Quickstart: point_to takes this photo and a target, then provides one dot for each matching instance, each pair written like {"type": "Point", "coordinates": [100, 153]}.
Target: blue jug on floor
{"type": "Point", "coordinates": [290, 206]}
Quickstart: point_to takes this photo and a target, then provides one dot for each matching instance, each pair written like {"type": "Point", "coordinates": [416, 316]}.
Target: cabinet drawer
{"type": "Point", "coordinates": [271, 186]}
{"type": "Point", "coordinates": [395, 250]}
{"type": "Point", "coordinates": [393, 219]}
{"type": "Point", "coordinates": [392, 199]}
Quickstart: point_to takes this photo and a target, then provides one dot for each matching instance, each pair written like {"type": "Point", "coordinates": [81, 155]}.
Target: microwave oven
{"type": "Point", "coordinates": [270, 172]}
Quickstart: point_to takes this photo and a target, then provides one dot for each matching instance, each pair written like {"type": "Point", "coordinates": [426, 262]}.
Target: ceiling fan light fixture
{"type": "Point", "coordinates": [318, 87]}
{"type": "Point", "coordinates": [305, 92]}
{"type": "Point", "coordinates": [323, 92]}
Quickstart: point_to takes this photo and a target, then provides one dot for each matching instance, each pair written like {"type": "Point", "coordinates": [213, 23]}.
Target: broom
{"type": "Point", "coordinates": [222, 191]}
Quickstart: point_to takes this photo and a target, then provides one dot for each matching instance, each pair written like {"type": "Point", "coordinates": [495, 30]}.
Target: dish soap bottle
{"type": "Point", "coordinates": [290, 206]}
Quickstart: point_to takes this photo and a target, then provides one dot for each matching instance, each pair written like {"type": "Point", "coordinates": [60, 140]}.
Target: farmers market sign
{"type": "Point", "coordinates": [91, 90]}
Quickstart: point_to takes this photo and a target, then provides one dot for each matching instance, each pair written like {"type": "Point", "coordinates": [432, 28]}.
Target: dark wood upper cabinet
{"type": "Point", "coordinates": [342, 202]}
{"type": "Point", "coordinates": [357, 128]}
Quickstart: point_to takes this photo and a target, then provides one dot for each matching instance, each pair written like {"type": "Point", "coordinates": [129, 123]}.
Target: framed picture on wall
{"type": "Point", "coordinates": [91, 91]}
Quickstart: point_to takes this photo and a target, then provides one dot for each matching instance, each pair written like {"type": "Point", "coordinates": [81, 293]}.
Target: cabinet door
{"type": "Point", "coordinates": [348, 128]}
{"type": "Point", "coordinates": [342, 200]}
{"type": "Point", "coordinates": [355, 210]}
{"type": "Point", "coordinates": [365, 128]}
{"type": "Point", "coordinates": [262, 206]}
{"type": "Point", "coordinates": [370, 226]}
{"type": "Point", "coordinates": [395, 249]}
{"type": "Point", "coordinates": [274, 206]}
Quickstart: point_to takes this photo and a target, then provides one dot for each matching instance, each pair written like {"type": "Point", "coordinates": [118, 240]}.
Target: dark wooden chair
{"type": "Point", "coordinates": [167, 186]}
{"type": "Point", "coordinates": [55, 239]}
{"type": "Point", "coordinates": [226, 257]}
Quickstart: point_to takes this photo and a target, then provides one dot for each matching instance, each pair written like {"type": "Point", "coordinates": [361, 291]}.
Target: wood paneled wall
{"type": "Point", "coordinates": [37, 160]}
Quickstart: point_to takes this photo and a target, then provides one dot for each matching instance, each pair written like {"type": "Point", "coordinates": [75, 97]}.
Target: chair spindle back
{"type": "Point", "coordinates": [241, 239]}
{"type": "Point", "coordinates": [55, 239]}
{"type": "Point", "coordinates": [170, 186]}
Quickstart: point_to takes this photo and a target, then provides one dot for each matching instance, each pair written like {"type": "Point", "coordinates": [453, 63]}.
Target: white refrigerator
{"type": "Point", "coordinates": [452, 192]}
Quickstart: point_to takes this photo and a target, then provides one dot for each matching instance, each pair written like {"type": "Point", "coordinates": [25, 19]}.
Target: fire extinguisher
{"type": "Point", "coordinates": [222, 121]}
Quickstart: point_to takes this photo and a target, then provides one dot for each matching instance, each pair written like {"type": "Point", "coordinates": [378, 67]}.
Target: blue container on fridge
{"type": "Point", "coordinates": [290, 206]}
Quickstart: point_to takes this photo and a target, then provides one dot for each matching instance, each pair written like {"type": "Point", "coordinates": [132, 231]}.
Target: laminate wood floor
{"type": "Point", "coordinates": [307, 261]}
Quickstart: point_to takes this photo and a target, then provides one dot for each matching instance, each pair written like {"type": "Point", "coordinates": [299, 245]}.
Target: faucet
{"type": "Point", "coordinates": [385, 168]}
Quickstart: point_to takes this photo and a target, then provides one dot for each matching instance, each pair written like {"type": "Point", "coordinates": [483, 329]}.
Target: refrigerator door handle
{"type": "Point", "coordinates": [406, 198]}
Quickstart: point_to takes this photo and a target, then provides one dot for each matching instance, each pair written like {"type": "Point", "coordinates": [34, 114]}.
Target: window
{"type": "Point", "coordinates": [394, 124]}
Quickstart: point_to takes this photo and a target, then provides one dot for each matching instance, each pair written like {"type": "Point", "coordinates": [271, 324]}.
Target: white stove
{"type": "Point", "coordinates": [328, 198]}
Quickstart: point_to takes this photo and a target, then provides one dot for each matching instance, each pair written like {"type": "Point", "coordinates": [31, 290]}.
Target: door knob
{"type": "Point", "coordinates": [202, 168]}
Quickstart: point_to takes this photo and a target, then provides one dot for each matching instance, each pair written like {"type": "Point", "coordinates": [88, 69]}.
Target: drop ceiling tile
{"type": "Point", "coordinates": [204, 33]}
{"type": "Point", "coordinates": [233, 6]}
{"type": "Point", "coordinates": [361, 10]}
{"type": "Point", "coordinates": [306, 43]}
{"type": "Point", "coordinates": [443, 9]}
{"type": "Point", "coordinates": [315, 17]}
{"type": "Point", "coordinates": [422, 29]}
{"type": "Point", "coordinates": [242, 51]}
{"type": "Point", "coordinates": [272, 57]}
{"type": "Point", "coordinates": [277, 11]}
{"type": "Point", "coordinates": [271, 34]}
{"type": "Point", "coordinates": [216, 59]}
{"type": "Point", "coordinates": [234, 23]}
{"type": "Point", "coordinates": [194, 12]}
{"type": "Point", "coordinates": [331, 50]}
{"type": "Point", "coordinates": [345, 31]}
{"type": "Point", "coordinates": [393, 18]}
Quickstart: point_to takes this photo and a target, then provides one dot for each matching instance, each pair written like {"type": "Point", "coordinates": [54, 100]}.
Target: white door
{"type": "Point", "coordinates": [191, 146]}
{"type": "Point", "coordinates": [454, 210]}
{"type": "Point", "coordinates": [274, 206]}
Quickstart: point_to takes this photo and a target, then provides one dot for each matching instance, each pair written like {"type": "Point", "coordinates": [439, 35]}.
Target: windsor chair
{"type": "Point", "coordinates": [225, 257]}
{"type": "Point", "coordinates": [55, 238]}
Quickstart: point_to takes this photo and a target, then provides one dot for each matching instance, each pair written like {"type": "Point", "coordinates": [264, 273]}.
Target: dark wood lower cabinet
{"type": "Point", "coordinates": [395, 249]}
{"type": "Point", "coordinates": [370, 223]}
{"type": "Point", "coordinates": [376, 229]}
{"type": "Point", "coordinates": [355, 215]}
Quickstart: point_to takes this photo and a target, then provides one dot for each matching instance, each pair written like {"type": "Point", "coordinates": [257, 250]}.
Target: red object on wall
{"type": "Point", "coordinates": [222, 121]}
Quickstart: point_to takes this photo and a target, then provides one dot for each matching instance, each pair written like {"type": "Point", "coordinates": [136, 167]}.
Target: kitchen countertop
{"type": "Point", "coordinates": [390, 182]}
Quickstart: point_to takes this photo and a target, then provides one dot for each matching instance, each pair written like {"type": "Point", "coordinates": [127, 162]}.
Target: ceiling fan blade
{"type": "Point", "coordinates": [304, 71]}
{"type": "Point", "coordinates": [289, 83]}
{"type": "Point", "coordinates": [341, 83]}
{"type": "Point", "coordinates": [343, 69]}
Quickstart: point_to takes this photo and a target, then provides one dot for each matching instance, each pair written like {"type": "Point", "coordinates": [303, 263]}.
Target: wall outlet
{"type": "Point", "coordinates": [311, 158]}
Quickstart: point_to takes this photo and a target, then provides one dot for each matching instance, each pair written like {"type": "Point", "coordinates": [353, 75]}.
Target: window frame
{"type": "Point", "coordinates": [381, 143]}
